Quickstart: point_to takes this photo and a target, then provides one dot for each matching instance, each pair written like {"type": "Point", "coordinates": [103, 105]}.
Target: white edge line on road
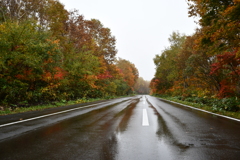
{"type": "Point", "coordinates": [238, 120]}
{"type": "Point", "coordinates": [145, 118]}
{"type": "Point", "coordinates": [47, 115]}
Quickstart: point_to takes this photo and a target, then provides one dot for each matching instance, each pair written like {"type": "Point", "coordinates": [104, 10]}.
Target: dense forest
{"type": "Point", "coordinates": [142, 86]}
{"type": "Point", "coordinates": [51, 54]}
{"type": "Point", "coordinates": [207, 63]}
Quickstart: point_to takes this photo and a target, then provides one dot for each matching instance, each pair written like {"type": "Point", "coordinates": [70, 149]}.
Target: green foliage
{"type": "Point", "coordinates": [227, 104]}
{"type": "Point", "coordinates": [57, 56]}
{"type": "Point", "coordinates": [166, 68]}
{"type": "Point", "coordinates": [205, 64]}
{"type": "Point", "coordinates": [26, 55]}
{"type": "Point", "coordinates": [20, 109]}
{"type": "Point", "coordinates": [129, 71]}
{"type": "Point", "coordinates": [213, 105]}
{"type": "Point", "coordinates": [122, 87]}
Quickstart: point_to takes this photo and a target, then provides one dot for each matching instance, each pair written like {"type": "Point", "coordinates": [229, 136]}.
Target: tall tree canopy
{"type": "Point", "coordinates": [207, 62]}
{"type": "Point", "coordinates": [49, 53]}
{"type": "Point", "coordinates": [129, 72]}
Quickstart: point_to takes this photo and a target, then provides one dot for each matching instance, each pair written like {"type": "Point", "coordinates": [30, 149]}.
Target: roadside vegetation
{"type": "Point", "coordinates": [226, 106]}
{"type": "Point", "coordinates": [17, 109]}
{"type": "Point", "coordinates": [49, 55]}
{"type": "Point", "coordinates": [203, 69]}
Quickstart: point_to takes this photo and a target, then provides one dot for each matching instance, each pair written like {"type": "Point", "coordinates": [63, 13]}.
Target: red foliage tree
{"type": "Point", "coordinates": [227, 65]}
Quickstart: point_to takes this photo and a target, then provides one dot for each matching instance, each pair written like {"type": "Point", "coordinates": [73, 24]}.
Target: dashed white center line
{"type": "Point", "coordinates": [144, 100]}
{"type": "Point", "coordinates": [145, 118]}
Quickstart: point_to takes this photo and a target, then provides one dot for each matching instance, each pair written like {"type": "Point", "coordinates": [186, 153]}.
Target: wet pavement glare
{"type": "Point", "coordinates": [114, 130]}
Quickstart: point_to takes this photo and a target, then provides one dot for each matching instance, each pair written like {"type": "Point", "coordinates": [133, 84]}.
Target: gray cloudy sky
{"type": "Point", "coordinates": [141, 27]}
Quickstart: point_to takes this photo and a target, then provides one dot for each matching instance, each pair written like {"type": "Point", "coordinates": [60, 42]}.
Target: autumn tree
{"type": "Point", "coordinates": [220, 28]}
{"type": "Point", "coordinates": [26, 55]}
{"type": "Point", "coordinates": [92, 38]}
{"type": "Point", "coordinates": [166, 69]}
{"type": "Point", "coordinates": [104, 41]}
{"type": "Point", "coordinates": [220, 23]}
{"type": "Point", "coordinates": [59, 55]}
{"type": "Point", "coordinates": [129, 71]}
{"type": "Point", "coordinates": [142, 86]}
{"type": "Point", "coordinates": [13, 10]}
{"type": "Point", "coordinates": [228, 70]}
{"type": "Point", "coordinates": [206, 63]}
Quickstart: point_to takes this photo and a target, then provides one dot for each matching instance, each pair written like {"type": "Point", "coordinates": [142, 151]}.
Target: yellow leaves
{"type": "Point", "coordinates": [228, 10]}
{"type": "Point", "coordinates": [238, 53]}
{"type": "Point", "coordinates": [54, 44]}
{"type": "Point", "coordinates": [82, 100]}
{"type": "Point", "coordinates": [236, 1]}
{"type": "Point", "coordinates": [56, 41]}
{"type": "Point", "coordinates": [44, 89]}
{"type": "Point", "coordinates": [51, 90]}
{"type": "Point", "coordinates": [130, 72]}
{"type": "Point", "coordinates": [110, 88]}
{"type": "Point", "coordinates": [2, 27]}
{"type": "Point", "coordinates": [103, 64]}
{"type": "Point", "coordinates": [53, 41]}
{"type": "Point", "coordinates": [91, 79]}
{"type": "Point", "coordinates": [50, 60]}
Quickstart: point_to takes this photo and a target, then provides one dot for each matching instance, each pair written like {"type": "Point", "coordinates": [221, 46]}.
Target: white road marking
{"type": "Point", "coordinates": [30, 119]}
{"type": "Point", "coordinates": [202, 110]}
{"type": "Point", "coordinates": [145, 118]}
{"type": "Point", "coordinates": [144, 100]}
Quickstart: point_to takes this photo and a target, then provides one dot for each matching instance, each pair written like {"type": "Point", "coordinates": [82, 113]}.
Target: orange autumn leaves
{"type": "Point", "coordinates": [51, 54]}
{"type": "Point", "coordinates": [129, 71]}
{"type": "Point", "coordinates": [205, 64]}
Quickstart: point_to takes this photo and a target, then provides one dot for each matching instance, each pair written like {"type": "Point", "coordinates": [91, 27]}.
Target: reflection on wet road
{"type": "Point", "coordinates": [134, 128]}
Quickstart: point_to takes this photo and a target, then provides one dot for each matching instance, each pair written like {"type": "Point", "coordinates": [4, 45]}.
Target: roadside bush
{"type": "Point", "coordinates": [189, 99]}
{"type": "Point", "coordinates": [28, 58]}
{"type": "Point", "coordinates": [230, 104]}
{"type": "Point", "coordinates": [227, 104]}
{"type": "Point", "coordinates": [179, 97]}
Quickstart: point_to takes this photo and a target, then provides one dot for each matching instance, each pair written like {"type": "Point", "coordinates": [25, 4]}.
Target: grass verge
{"type": "Point", "coordinates": [213, 109]}
{"type": "Point", "coordinates": [9, 110]}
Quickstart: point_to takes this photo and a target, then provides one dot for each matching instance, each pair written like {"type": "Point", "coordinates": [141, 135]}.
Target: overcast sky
{"type": "Point", "coordinates": [141, 27]}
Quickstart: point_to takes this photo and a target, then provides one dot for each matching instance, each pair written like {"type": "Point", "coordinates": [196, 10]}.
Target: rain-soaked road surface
{"type": "Point", "coordinates": [133, 128]}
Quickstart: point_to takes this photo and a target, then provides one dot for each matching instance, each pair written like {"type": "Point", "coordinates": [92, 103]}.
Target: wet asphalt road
{"type": "Point", "coordinates": [133, 128]}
